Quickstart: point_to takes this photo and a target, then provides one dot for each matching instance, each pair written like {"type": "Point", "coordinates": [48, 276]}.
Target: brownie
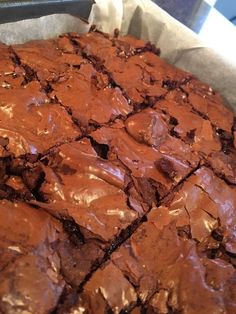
{"type": "Point", "coordinates": [29, 264]}
{"type": "Point", "coordinates": [94, 92]}
{"type": "Point", "coordinates": [31, 123]}
{"type": "Point", "coordinates": [132, 65]}
{"type": "Point", "coordinates": [70, 75]}
{"type": "Point", "coordinates": [45, 60]}
{"type": "Point", "coordinates": [117, 181]}
{"type": "Point", "coordinates": [156, 160]}
{"type": "Point", "coordinates": [214, 145]}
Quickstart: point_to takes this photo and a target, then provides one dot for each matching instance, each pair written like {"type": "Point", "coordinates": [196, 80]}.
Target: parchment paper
{"type": "Point", "coordinates": [143, 19]}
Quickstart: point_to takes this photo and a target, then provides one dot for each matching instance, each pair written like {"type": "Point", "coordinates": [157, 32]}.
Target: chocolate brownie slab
{"type": "Point", "coordinates": [128, 168]}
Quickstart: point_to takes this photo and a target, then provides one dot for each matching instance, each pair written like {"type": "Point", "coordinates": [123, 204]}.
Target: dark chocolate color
{"type": "Point", "coordinates": [117, 182]}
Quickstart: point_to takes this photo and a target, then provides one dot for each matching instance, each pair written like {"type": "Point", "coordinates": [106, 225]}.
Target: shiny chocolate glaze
{"type": "Point", "coordinates": [117, 181]}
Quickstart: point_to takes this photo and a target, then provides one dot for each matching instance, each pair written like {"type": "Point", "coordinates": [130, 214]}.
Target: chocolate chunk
{"type": "Point", "coordinates": [190, 136]}
{"type": "Point", "coordinates": [33, 178]}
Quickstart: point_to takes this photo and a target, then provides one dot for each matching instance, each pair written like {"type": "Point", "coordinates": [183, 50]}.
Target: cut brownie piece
{"type": "Point", "coordinates": [89, 96]}
{"type": "Point", "coordinates": [140, 73]}
{"type": "Point", "coordinates": [10, 73]}
{"type": "Point", "coordinates": [206, 203]}
{"type": "Point", "coordinates": [47, 60]}
{"type": "Point", "coordinates": [189, 126]}
{"type": "Point", "coordinates": [73, 81]}
{"type": "Point", "coordinates": [100, 47]}
{"type": "Point", "coordinates": [156, 160]}
{"type": "Point", "coordinates": [209, 104]}
{"type": "Point", "coordinates": [166, 261]}
{"type": "Point", "coordinates": [81, 185]}
{"type": "Point", "coordinates": [30, 122]}
{"type": "Point", "coordinates": [214, 145]}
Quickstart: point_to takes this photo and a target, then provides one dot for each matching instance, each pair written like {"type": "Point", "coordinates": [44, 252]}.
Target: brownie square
{"type": "Point", "coordinates": [46, 60]}
{"type": "Point", "coordinates": [40, 260]}
{"type": "Point", "coordinates": [90, 98]}
{"type": "Point", "coordinates": [81, 185]}
{"type": "Point", "coordinates": [10, 72]}
{"type": "Point", "coordinates": [73, 81]}
{"type": "Point", "coordinates": [214, 146]}
{"type": "Point", "coordinates": [30, 122]}
{"type": "Point", "coordinates": [132, 64]}
{"type": "Point", "coordinates": [31, 277]}
{"type": "Point", "coordinates": [156, 160]}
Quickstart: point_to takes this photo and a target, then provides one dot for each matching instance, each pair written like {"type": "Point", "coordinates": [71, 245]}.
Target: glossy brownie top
{"type": "Point", "coordinates": [117, 181]}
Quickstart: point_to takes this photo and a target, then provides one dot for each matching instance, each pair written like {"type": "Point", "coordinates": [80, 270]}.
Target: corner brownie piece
{"type": "Point", "coordinates": [40, 259]}
{"type": "Point", "coordinates": [47, 60]}
{"type": "Point", "coordinates": [182, 255]}
{"type": "Point", "coordinates": [30, 268]}
{"type": "Point", "coordinates": [73, 81]}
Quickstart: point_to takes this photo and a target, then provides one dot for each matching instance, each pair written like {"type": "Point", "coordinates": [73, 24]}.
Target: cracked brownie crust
{"type": "Point", "coordinates": [117, 182]}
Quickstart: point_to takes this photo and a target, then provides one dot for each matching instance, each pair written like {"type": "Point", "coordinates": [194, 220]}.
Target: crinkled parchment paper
{"type": "Point", "coordinates": [146, 20]}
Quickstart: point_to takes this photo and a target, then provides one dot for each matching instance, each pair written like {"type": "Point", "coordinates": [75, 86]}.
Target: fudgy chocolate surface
{"type": "Point", "coordinates": [117, 182]}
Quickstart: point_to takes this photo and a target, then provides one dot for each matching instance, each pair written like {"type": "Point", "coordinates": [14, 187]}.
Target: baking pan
{"type": "Point", "coordinates": [11, 11]}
